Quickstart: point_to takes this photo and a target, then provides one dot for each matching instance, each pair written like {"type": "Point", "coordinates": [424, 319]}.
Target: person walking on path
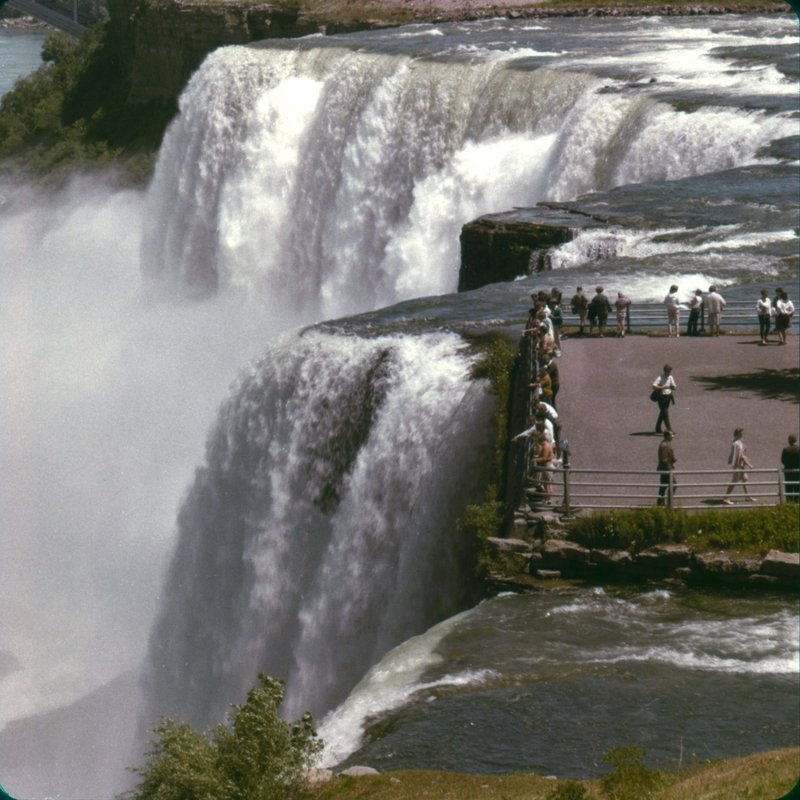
{"type": "Point", "coordinates": [622, 304]}
{"type": "Point", "coordinates": [580, 306]}
{"type": "Point", "coordinates": [738, 460]}
{"type": "Point", "coordinates": [599, 310]}
{"type": "Point", "coordinates": [673, 311]}
{"type": "Point", "coordinates": [694, 312]}
{"type": "Point", "coordinates": [784, 308]}
{"type": "Point", "coordinates": [790, 459]}
{"type": "Point", "coordinates": [664, 384]}
{"type": "Point", "coordinates": [714, 306]}
{"type": "Point", "coordinates": [764, 311]}
{"type": "Point", "coordinates": [666, 465]}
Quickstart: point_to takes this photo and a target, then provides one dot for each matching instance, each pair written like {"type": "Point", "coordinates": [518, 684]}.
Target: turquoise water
{"type": "Point", "coordinates": [20, 54]}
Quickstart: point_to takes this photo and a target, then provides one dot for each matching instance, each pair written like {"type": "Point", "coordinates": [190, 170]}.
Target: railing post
{"type": "Point", "coordinates": [781, 488]}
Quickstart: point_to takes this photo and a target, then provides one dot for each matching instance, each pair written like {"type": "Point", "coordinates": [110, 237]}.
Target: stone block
{"type": "Point", "coordinates": [509, 545]}
{"type": "Point", "coordinates": [781, 565]}
{"type": "Point", "coordinates": [569, 551]}
{"type": "Point", "coordinates": [356, 771]}
{"type": "Point", "coordinates": [548, 574]}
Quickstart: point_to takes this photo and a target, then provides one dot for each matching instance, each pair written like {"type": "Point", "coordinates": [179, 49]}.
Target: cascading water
{"type": "Point", "coordinates": [307, 180]}
{"type": "Point", "coordinates": [321, 530]}
{"type": "Point", "coordinates": [334, 180]}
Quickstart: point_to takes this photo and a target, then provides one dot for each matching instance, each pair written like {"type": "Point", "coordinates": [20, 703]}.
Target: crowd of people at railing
{"type": "Point", "coordinates": [596, 311]}
{"type": "Point", "coordinates": [548, 450]}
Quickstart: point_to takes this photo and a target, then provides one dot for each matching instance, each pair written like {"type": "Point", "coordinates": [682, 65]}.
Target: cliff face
{"type": "Point", "coordinates": [162, 42]}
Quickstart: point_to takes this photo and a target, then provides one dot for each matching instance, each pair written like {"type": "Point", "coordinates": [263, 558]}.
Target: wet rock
{"type": "Point", "coordinates": [664, 557]}
{"type": "Point", "coordinates": [548, 574]}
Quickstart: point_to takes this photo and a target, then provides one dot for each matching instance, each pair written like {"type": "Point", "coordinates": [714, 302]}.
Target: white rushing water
{"type": "Point", "coordinates": [338, 180]}
{"type": "Point", "coordinates": [302, 182]}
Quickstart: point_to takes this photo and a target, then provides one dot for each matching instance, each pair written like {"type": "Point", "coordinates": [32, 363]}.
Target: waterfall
{"type": "Point", "coordinates": [321, 529]}
{"type": "Point", "coordinates": [331, 181]}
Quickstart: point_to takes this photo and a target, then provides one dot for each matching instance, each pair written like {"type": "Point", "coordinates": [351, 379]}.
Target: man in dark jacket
{"type": "Point", "coordinates": [666, 463]}
{"type": "Point", "coordinates": [790, 458]}
{"type": "Point", "coordinates": [599, 310]}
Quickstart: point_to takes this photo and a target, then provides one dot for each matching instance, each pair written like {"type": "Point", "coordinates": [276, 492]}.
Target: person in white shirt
{"type": "Point", "coordinates": [673, 311]}
{"type": "Point", "coordinates": [665, 385]}
{"type": "Point", "coordinates": [764, 311]}
{"type": "Point", "coordinates": [714, 305]}
{"type": "Point", "coordinates": [784, 308]}
{"type": "Point", "coordinates": [738, 460]}
{"type": "Point", "coordinates": [694, 312]}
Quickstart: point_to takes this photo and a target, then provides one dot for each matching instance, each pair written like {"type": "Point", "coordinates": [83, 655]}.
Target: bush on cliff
{"type": "Point", "coordinates": [756, 530]}
{"type": "Point", "coordinates": [71, 112]}
{"type": "Point", "coordinates": [259, 757]}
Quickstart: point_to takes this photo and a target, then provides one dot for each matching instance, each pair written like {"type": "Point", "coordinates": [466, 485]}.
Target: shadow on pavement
{"type": "Point", "coordinates": [771, 384]}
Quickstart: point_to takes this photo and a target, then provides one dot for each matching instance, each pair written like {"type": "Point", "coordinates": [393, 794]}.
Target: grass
{"type": "Point", "coordinates": [764, 776]}
{"type": "Point", "coordinates": [753, 531]}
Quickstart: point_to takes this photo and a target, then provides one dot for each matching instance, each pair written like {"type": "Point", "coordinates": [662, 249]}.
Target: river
{"type": "Point", "coordinates": [324, 182]}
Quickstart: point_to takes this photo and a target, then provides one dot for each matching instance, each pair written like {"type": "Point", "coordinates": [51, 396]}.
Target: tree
{"type": "Point", "coordinates": [259, 757]}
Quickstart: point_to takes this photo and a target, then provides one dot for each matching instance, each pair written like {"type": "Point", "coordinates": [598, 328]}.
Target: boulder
{"type": "Point", "coordinates": [357, 771]}
{"type": "Point", "coordinates": [781, 565]}
{"type": "Point", "coordinates": [717, 563]}
{"type": "Point", "coordinates": [611, 558]}
{"type": "Point", "coordinates": [509, 545]}
{"type": "Point", "coordinates": [664, 557]}
{"type": "Point", "coordinates": [548, 574]}
{"type": "Point", "coordinates": [569, 551]}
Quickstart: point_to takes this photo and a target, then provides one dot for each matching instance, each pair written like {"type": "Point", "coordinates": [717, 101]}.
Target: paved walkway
{"type": "Point", "coordinates": [722, 383]}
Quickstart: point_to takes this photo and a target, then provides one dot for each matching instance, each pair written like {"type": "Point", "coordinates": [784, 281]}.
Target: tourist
{"type": "Point", "coordinates": [673, 305]}
{"type": "Point", "coordinates": [551, 368]}
{"type": "Point", "coordinates": [764, 311]}
{"type": "Point", "coordinates": [599, 310]}
{"type": "Point", "coordinates": [622, 304]}
{"type": "Point", "coordinates": [557, 320]}
{"type": "Point", "coordinates": [580, 306]}
{"type": "Point", "coordinates": [664, 386]}
{"type": "Point", "coordinates": [694, 312]}
{"type": "Point", "coordinates": [784, 308]}
{"type": "Point", "coordinates": [666, 465]}
{"type": "Point", "coordinates": [714, 306]}
{"type": "Point", "coordinates": [529, 430]}
{"type": "Point", "coordinates": [543, 387]}
{"type": "Point", "coordinates": [738, 460]}
{"type": "Point", "coordinates": [555, 294]}
{"type": "Point", "coordinates": [543, 459]}
{"type": "Point", "coordinates": [790, 459]}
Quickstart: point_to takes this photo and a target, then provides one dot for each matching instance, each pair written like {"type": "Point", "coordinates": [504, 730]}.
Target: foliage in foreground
{"type": "Point", "coordinates": [71, 112]}
{"type": "Point", "coordinates": [496, 364]}
{"type": "Point", "coordinates": [259, 757]}
{"type": "Point", "coordinates": [756, 530]}
{"type": "Point", "coordinates": [764, 776]}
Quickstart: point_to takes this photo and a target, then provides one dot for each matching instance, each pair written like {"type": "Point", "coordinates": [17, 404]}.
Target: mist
{"type": "Point", "coordinates": [106, 395]}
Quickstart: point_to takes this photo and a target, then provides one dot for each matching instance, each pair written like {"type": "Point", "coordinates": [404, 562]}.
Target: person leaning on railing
{"type": "Point", "coordinates": [714, 305]}
{"type": "Point", "coordinates": [694, 312]}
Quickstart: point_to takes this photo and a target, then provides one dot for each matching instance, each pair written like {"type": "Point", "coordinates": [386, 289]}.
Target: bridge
{"type": "Point", "coordinates": [70, 16]}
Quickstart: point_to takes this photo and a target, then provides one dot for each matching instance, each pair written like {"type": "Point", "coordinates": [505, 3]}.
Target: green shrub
{"type": "Point", "coordinates": [631, 779]}
{"type": "Point", "coordinates": [72, 112]}
{"type": "Point", "coordinates": [759, 529]}
{"type": "Point", "coordinates": [259, 757]}
{"type": "Point", "coordinates": [568, 790]}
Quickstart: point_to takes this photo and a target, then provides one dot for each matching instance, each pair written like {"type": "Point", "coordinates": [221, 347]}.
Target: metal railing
{"type": "Point", "coordinates": [738, 315]}
{"type": "Point", "coordinates": [574, 488]}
